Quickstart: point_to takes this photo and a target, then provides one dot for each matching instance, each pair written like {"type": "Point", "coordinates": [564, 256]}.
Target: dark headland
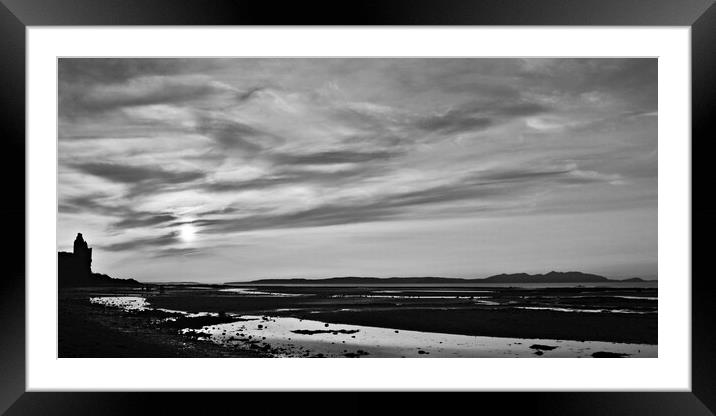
{"type": "Point", "coordinates": [551, 277]}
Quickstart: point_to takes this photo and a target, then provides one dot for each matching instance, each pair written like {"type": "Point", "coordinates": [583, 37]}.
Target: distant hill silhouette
{"type": "Point", "coordinates": [360, 280]}
{"type": "Point", "coordinates": [75, 269]}
{"type": "Point", "coordinates": [635, 279]}
{"type": "Point", "coordinates": [551, 277]}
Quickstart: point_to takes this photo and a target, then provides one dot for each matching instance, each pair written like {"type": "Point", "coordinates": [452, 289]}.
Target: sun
{"type": "Point", "coordinates": [187, 233]}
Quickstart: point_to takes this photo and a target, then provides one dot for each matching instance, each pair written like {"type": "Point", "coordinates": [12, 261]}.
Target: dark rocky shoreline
{"type": "Point", "coordinates": [87, 330]}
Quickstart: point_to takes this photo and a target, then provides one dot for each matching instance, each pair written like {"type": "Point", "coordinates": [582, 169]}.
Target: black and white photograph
{"type": "Point", "coordinates": [357, 207]}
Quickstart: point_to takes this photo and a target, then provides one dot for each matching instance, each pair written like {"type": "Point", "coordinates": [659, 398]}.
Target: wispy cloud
{"type": "Point", "coordinates": [481, 187]}
{"type": "Point", "coordinates": [231, 134]}
{"type": "Point", "coordinates": [164, 240]}
{"type": "Point", "coordinates": [332, 157]}
{"type": "Point", "coordinates": [135, 174]}
{"type": "Point", "coordinates": [236, 147]}
{"type": "Point", "coordinates": [478, 116]}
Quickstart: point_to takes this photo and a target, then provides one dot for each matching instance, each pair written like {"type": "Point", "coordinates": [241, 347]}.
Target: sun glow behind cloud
{"type": "Point", "coordinates": [187, 233]}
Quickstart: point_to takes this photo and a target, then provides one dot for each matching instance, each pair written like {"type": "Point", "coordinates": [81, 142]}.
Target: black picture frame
{"type": "Point", "coordinates": [16, 15]}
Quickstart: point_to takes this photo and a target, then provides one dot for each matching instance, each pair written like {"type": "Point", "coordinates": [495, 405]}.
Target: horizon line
{"type": "Point", "coordinates": [646, 279]}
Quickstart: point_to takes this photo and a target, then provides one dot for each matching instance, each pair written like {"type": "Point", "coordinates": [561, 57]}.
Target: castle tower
{"type": "Point", "coordinates": [82, 252]}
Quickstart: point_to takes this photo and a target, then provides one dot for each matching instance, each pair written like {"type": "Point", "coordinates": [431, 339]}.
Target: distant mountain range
{"type": "Point", "coordinates": [551, 277]}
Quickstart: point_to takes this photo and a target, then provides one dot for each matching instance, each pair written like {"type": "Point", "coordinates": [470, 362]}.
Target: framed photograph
{"type": "Point", "coordinates": [476, 198]}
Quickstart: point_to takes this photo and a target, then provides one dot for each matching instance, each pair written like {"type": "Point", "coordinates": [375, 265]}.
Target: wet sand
{"type": "Point", "coordinates": [294, 337]}
{"type": "Point", "coordinates": [504, 323]}
{"type": "Point", "coordinates": [179, 318]}
{"type": "Point", "coordinates": [491, 312]}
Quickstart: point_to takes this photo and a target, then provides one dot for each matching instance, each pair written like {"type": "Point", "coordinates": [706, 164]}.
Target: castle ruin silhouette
{"type": "Point", "coordinates": [75, 269]}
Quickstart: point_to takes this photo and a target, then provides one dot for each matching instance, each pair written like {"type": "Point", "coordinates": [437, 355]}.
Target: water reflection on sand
{"type": "Point", "coordinates": [293, 337]}
{"type": "Point", "coordinates": [574, 310]}
{"type": "Point", "coordinates": [409, 297]}
{"type": "Point", "coordinates": [255, 292]}
{"type": "Point", "coordinates": [138, 304]}
{"type": "Point", "coordinates": [128, 303]}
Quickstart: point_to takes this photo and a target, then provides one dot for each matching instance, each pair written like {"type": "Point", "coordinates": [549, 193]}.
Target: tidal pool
{"type": "Point", "coordinates": [138, 303]}
{"type": "Point", "coordinates": [128, 303]}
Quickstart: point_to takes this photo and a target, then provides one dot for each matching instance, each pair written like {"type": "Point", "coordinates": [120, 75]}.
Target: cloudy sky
{"type": "Point", "coordinates": [234, 169]}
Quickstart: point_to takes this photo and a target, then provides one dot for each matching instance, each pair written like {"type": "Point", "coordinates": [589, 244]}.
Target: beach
{"type": "Point", "coordinates": [350, 321]}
